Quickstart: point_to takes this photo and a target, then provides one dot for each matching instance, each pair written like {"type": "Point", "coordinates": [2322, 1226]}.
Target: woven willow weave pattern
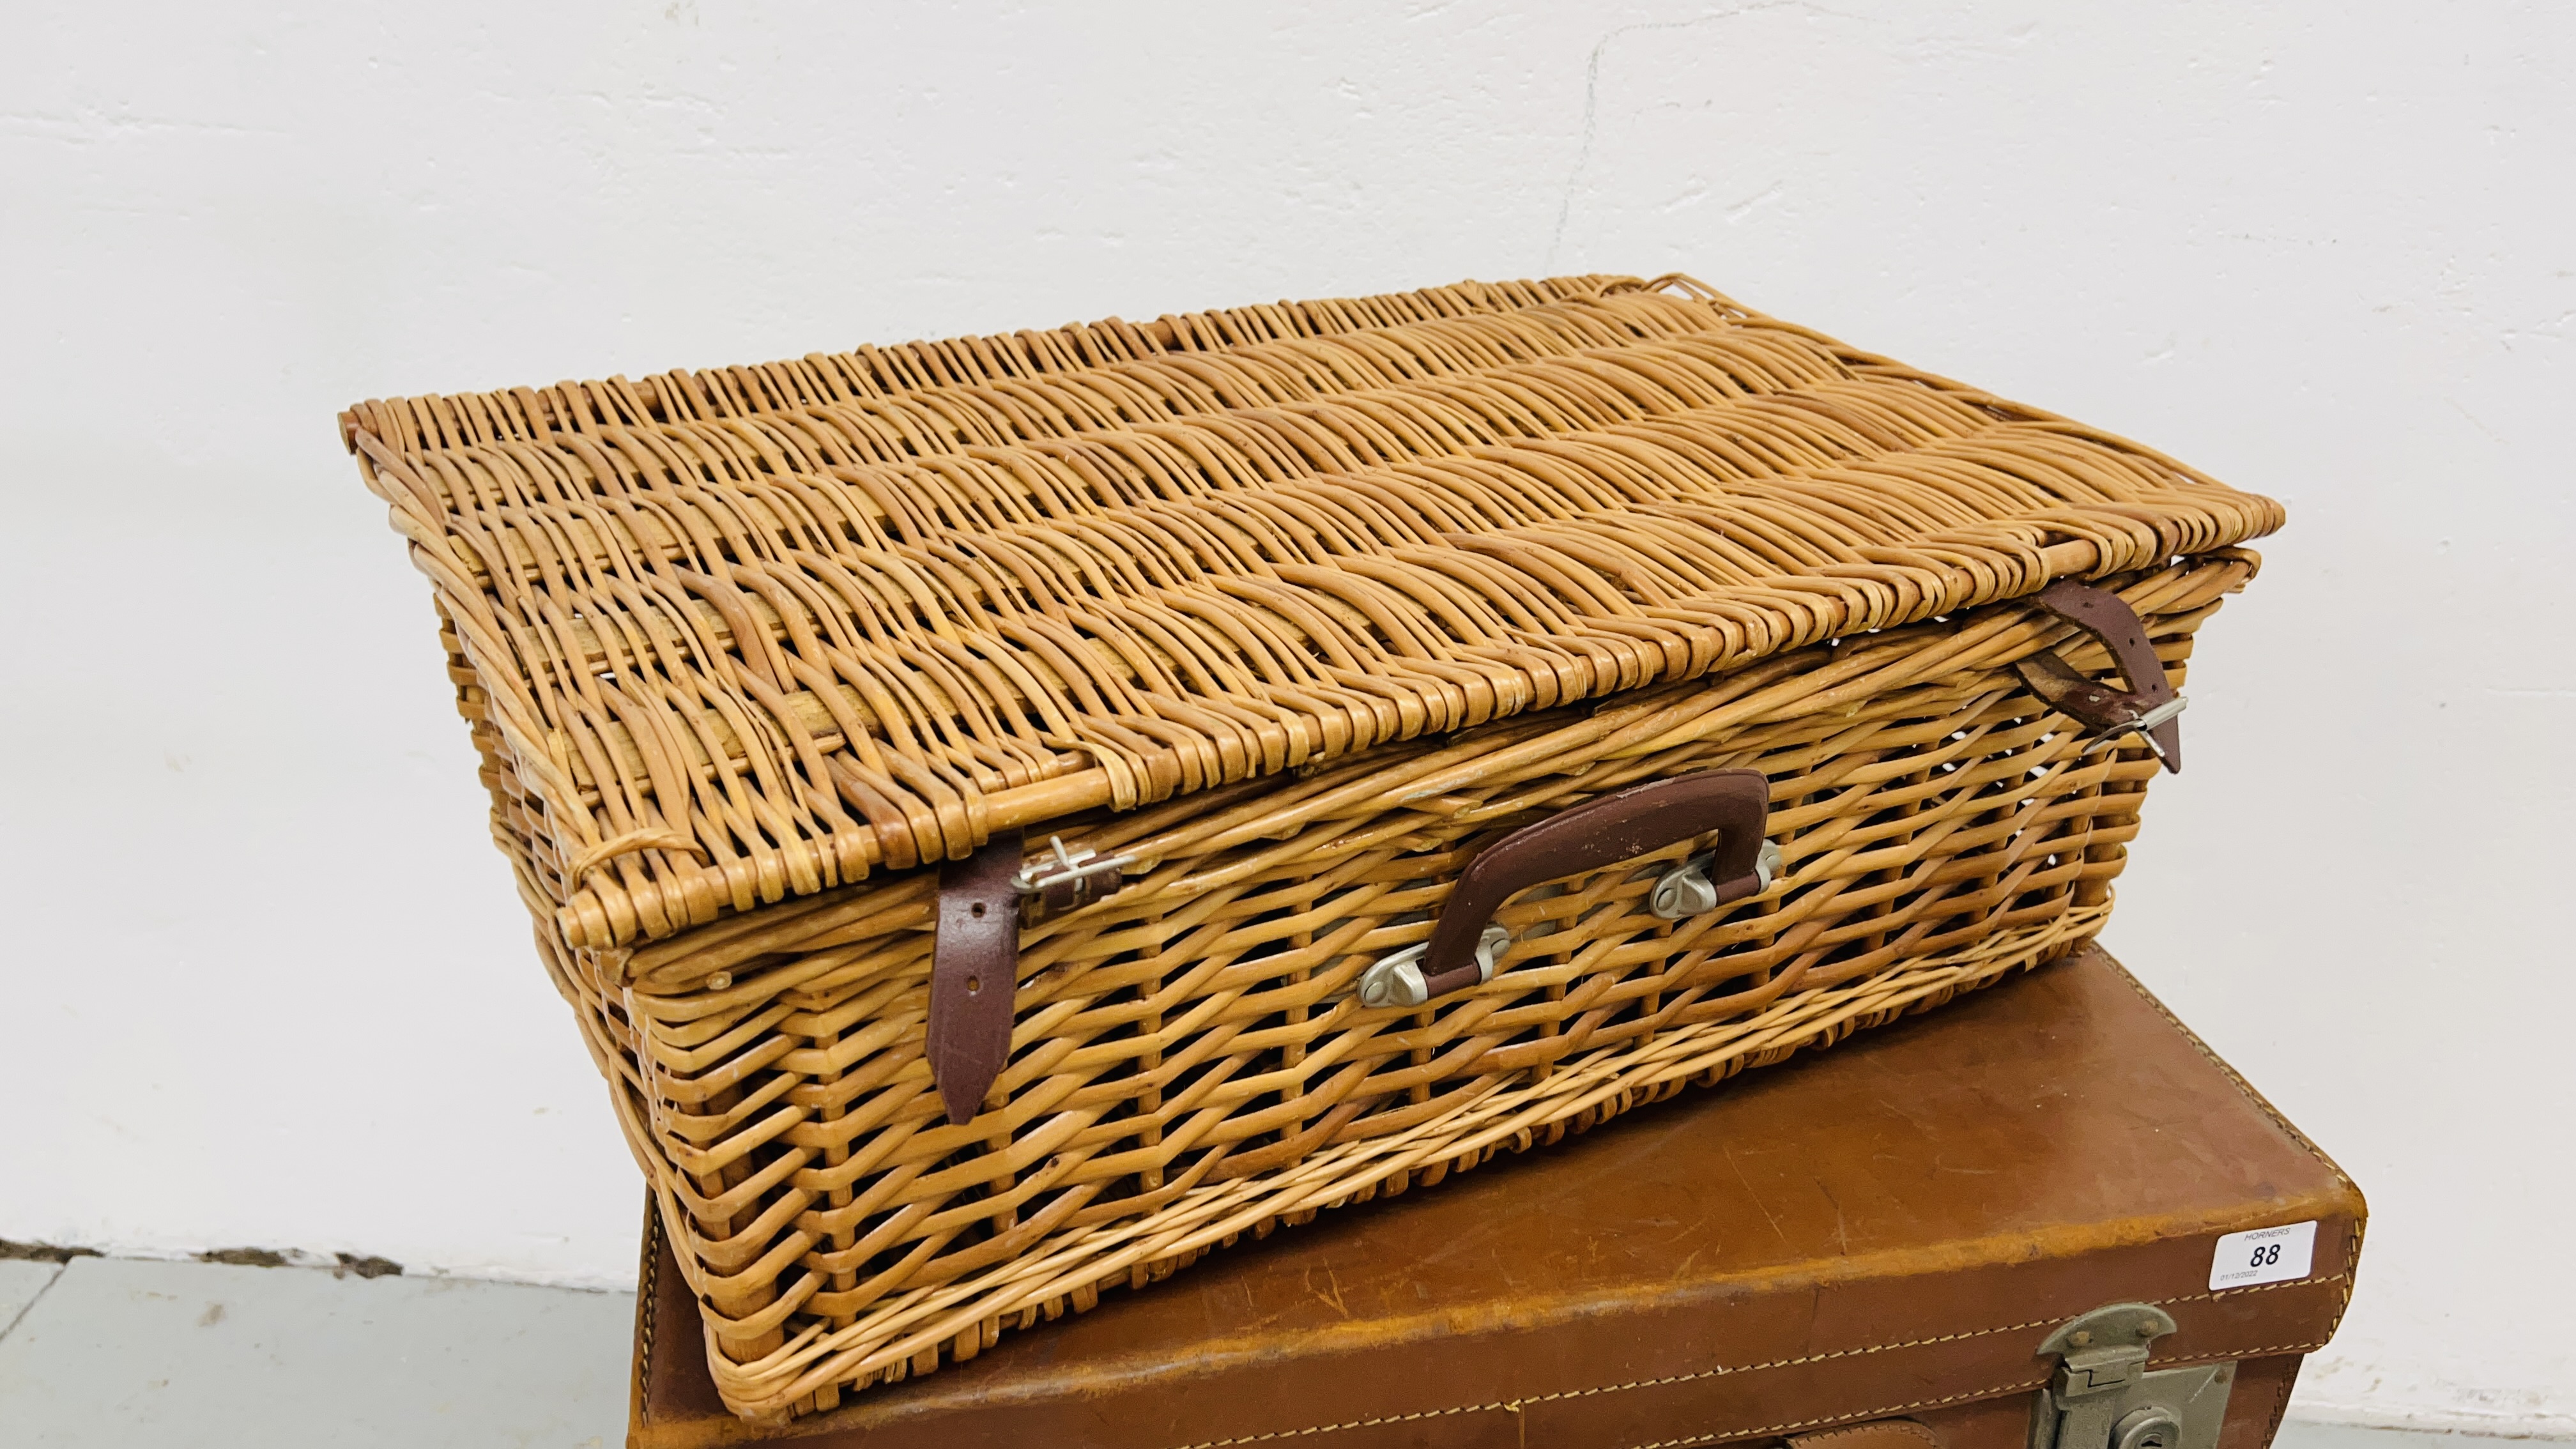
{"type": "Point", "coordinates": [1301, 606]}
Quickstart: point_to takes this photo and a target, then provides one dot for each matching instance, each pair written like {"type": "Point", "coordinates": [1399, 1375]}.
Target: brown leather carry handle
{"type": "Point", "coordinates": [2149, 705]}
{"type": "Point", "coordinates": [1876, 1434]}
{"type": "Point", "coordinates": [1616, 827]}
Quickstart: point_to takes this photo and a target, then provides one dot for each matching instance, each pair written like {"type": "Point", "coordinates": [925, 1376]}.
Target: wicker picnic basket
{"type": "Point", "coordinates": [1016, 813]}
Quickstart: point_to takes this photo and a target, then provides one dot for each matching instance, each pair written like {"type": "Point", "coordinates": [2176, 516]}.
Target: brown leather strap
{"type": "Point", "coordinates": [1876, 1434]}
{"type": "Point", "coordinates": [1596, 833]}
{"type": "Point", "coordinates": [2106, 617]}
{"type": "Point", "coordinates": [974, 973]}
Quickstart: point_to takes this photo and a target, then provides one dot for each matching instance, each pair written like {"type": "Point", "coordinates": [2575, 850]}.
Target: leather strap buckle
{"type": "Point", "coordinates": [2147, 708]}
{"type": "Point", "coordinates": [975, 959]}
{"type": "Point", "coordinates": [2144, 726]}
{"type": "Point", "coordinates": [1072, 878]}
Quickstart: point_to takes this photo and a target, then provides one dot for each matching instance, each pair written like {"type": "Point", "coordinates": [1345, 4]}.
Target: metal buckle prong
{"type": "Point", "coordinates": [2140, 727]}
{"type": "Point", "coordinates": [1068, 866]}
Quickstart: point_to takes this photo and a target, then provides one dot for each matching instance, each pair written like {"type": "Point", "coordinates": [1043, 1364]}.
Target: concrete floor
{"type": "Point", "coordinates": [106, 1353]}
{"type": "Point", "coordinates": [121, 1354]}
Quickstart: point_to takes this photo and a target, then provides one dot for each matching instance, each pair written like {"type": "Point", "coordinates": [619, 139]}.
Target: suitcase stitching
{"type": "Point", "coordinates": [1516, 1405]}
{"type": "Point", "coordinates": [1917, 1404]}
{"type": "Point", "coordinates": [2245, 1089]}
{"type": "Point", "coordinates": [645, 1303]}
{"type": "Point", "coordinates": [2281, 1404]}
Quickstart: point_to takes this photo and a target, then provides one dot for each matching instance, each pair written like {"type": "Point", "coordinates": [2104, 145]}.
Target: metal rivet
{"type": "Point", "coordinates": [2079, 1339]}
{"type": "Point", "coordinates": [2146, 1330]}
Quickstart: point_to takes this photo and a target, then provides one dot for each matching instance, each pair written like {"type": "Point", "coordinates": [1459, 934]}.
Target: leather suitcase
{"type": "Point", "coordinates": [1995, 1227]}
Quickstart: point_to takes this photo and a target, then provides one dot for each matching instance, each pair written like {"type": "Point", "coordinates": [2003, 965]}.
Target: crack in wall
{"type": "Point", "coordinates": [1592, 96]}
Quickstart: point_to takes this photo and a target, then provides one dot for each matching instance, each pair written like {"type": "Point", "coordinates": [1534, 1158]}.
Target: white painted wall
{"type": "Point", "coordinates": [265, 983]}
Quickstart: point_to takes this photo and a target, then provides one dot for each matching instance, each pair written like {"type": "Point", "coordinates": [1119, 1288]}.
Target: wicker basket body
{"type": "Point", "coordinates": [1298, 609]}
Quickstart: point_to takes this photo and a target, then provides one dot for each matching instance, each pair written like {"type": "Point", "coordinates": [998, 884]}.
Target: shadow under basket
{"type": "Point", "coordinates": [1017, 814]}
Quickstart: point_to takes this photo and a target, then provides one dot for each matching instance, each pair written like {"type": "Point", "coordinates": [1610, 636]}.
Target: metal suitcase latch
{"type": "Point", "coordinates": [2103, 1395]}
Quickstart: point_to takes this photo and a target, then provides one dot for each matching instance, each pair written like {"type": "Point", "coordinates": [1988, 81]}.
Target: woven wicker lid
{"type": "Point", "coordinates": [734, 636]}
